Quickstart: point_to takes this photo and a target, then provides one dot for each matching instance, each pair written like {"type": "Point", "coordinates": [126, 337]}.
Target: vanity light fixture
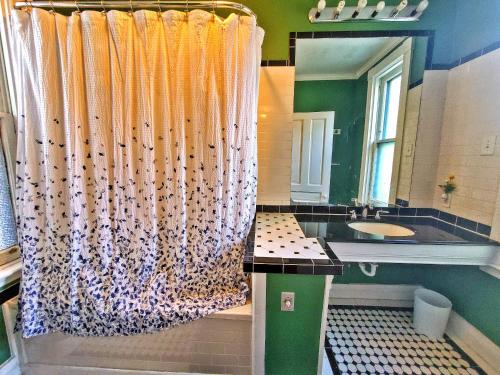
{"type": "Point", "coordinates": [380, 11]}
{"type": "Point", "coordinates": [420, 8]}
{"type": "Point", "coordinates": [339, 9]}
{"type": "Point", "coordinates": [361, 6]}
{"type": "Point", "coordinates": [380, 7]}
{"type": "Point", "coordinates": [321, 7]}
{"type": "Point", "coordinates": [403, 4]}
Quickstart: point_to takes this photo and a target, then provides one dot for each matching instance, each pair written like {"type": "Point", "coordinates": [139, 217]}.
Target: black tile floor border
{"type": "Point", "coordinates": [351, 346]}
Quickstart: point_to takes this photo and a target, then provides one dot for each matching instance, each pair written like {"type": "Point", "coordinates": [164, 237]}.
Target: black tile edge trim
{"type": "Point", "coordinates": [402, 202]}
{"type": "Point", "coordinates": [464, 59]}
{"type": "Point", "coordinates": [274, 63]}
{"type": "Point", "coordinates": [415, 84]}
{"type": "Point", "coordinates": [9, 293]}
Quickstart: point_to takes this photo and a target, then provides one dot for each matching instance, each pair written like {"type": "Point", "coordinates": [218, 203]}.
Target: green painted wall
{"type": "Point", "coordinates": [348, 99]}
{"type": "Point", "coordinates": [475, 294]}
{"type": "Point", "coordinates": [292, 338]}
{"type": "Point", "coordinates": [280, 17]}
{"type": "Point", "coordinates": [4, 341]}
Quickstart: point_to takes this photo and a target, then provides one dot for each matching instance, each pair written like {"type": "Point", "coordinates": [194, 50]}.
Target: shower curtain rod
{"type": "Point", "coordinates": [135, 4]}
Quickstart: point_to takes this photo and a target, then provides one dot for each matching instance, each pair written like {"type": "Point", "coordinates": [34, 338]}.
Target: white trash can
{"type": "Point", "coordinates": [431, 311]}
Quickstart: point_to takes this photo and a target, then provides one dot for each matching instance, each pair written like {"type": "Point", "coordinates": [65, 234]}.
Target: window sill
{"type": "Point", "coordinates": [10, 272]}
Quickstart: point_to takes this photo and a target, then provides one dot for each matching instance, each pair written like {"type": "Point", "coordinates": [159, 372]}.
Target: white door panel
{"type": "Point", "coordinates": [311, 156]}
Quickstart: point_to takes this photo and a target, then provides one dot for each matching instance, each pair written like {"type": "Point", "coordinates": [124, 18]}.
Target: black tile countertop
{"type": "Point", "coordinates": [428, 230]}
{"type": "Point", "coordinates": [334, 228]}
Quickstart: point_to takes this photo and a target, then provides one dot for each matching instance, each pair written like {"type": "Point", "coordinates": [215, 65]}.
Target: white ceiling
{"type": "Point", "coordinates": [339, 58]}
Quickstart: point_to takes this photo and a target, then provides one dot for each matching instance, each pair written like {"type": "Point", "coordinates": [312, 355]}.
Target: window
{"type": "Point", "coordinates": [388, 86]}
{"type": "Point", "coordinates": [384, 127]}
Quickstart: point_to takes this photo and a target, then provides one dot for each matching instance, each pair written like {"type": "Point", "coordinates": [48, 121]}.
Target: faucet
{"type": "Point", "coordinates": [353, 214]}
{"type": "Point", "coordinates": [377, 215]}
{"type": "Point", "coordinates": [367, 207]}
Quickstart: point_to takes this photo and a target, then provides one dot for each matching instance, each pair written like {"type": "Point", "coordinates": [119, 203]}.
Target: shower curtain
{"type": "Point", "coordinates": [136, 177]}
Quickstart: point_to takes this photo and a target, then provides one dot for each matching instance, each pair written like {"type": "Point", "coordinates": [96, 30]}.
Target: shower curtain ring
{"type": "Point", "coordinates": [52, 10]}
{"type": "Point", "coordinates": [213, 9]}
{"type": "Point", "coordinates": [29, 7]}
{"type": "Point", "coordinates": [159, 9]}
{"type": "Point", "coordinates": [103, 11]}
{"type": "Point", "coordinates": [131, 11]}
{"type": "Point", "coordinates": [77, 7]}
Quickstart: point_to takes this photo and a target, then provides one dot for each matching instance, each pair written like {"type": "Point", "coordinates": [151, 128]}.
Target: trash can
{"type": "Point", "coordinates": [431, 311]}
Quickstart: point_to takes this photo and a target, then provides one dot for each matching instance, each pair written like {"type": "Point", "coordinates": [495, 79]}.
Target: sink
{"type": "Point", "coordinates": [384, 229]}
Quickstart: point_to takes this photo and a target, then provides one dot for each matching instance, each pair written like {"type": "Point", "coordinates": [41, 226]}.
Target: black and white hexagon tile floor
{"type": "Point", "coordinates": [375, 340]}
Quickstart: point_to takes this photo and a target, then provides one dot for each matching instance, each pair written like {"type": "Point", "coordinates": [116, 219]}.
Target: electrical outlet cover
{"type": "Point", "coordinates": [287, 301]}
{"type": "Point", "coordinates": [488, 145]}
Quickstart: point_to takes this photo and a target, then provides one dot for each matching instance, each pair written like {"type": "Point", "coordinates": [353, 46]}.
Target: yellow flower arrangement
{"type": "Point", "coordinates": [449, 185]}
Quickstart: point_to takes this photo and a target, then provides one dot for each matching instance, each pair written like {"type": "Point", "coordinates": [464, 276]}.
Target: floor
{"type": "Point", "coordinates": [381, 340]}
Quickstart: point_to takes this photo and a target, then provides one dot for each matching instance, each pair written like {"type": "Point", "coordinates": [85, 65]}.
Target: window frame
{"type": "Point", "coordinates": [401, 56]}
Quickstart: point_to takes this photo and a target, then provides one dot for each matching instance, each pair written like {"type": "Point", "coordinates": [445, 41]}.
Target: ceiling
{"type": "Point", "coordinates": [339, 58]}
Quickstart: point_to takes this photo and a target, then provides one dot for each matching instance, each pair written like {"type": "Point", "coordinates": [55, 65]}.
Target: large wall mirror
{"type": "Point", "coordinates": [355, 119]}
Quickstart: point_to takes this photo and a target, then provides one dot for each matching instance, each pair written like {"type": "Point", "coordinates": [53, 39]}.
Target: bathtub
{"type": "Point", "coordinates": [218, 344]}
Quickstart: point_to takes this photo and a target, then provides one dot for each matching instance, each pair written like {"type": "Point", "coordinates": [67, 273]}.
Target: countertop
{"type": "Point", "coordinates": [428, 230]}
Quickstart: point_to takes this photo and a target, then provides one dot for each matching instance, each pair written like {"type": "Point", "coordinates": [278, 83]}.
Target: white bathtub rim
{"type": "Point", "coordinates": [39, 369]}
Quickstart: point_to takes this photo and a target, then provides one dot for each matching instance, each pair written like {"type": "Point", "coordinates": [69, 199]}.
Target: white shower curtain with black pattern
{"type": "Point", "coordinates": [136, 171]}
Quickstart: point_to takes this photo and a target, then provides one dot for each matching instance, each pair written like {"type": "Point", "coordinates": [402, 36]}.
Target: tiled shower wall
{"type": "Point", "coordinates": [471, 112]}
{"type": "Point", "coordinates": [409, 139]}
{"type": "Point", "coordinates": [274, 132]}
{"type": "Point", "coordinates": [425, 163]}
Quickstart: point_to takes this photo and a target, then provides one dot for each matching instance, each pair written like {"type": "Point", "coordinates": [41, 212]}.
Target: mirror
{"type": "Point", "coordinates": [355, 119]}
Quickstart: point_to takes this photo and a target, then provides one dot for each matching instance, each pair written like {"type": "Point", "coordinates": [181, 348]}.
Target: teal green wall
{"type": "Point", "coordinates": [348, 99]}
{"type": "Point", "coordinates": [475, 294]}
{"type": "Point", "coordinates": [4, 341]}
{"type": "Point", "coordinates": [476, 26]}
{"type": "Point", "coordinates": [418, 56]}
{"type": "Point", "coordinates": [280, 17]}
{"type": "Point", "coordinates": [292, 338]}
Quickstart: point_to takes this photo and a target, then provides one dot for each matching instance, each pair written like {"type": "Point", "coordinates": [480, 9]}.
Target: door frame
{"type": "Point", "coordinates": [326, 174]}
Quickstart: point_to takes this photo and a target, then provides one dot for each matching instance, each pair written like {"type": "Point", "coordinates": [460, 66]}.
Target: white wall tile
{"type": "Point", "coordinates": [274, 134]}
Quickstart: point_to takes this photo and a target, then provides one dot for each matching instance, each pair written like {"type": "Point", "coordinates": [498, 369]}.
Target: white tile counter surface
{"type": "Point", "coordinates": [279, 235]}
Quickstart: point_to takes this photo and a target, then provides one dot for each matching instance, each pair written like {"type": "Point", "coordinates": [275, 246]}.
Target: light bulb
{"type": "Point", "coordinates": [380, 7]}
{"type": "Point", "coordinates": [321, 7]}
{"type": "Point", "coordinates": [402, 5]}
{"type": "Point", "coordinates": [339, 9]}
{"type": "Point", "coordinates": [362, 4]}
{"type": "Point", "coordinates": [399, 8]}
{"type": "Point", "coordinates": [422, 6]}
{"type": "Point", "coordinates": [341, 6]}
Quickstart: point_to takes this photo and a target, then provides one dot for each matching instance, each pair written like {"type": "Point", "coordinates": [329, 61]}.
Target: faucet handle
{"type": "Point", "coordinates": [353, 214]}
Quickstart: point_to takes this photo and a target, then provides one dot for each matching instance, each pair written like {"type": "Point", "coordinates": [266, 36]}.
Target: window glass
{"type": "Point", "coordinates": [8, 236]}
{"type": "Point", "coordinates": [382, 168]}
{"type": "Point", "coordinates": [393, 88]}
{"type": "Point", "coordinates": [389, 87]}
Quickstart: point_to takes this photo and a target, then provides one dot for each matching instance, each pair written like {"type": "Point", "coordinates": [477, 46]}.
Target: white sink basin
{"type": "Point", "coordinates": [383, 229]}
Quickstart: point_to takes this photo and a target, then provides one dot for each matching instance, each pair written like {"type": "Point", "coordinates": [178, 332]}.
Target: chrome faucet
{"type": "Point", "coordinates": [379, 212]}
{"type": "Point", "coordinates": [353, 215]}
{"type": "Point", "coordinates": [364, 213]}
